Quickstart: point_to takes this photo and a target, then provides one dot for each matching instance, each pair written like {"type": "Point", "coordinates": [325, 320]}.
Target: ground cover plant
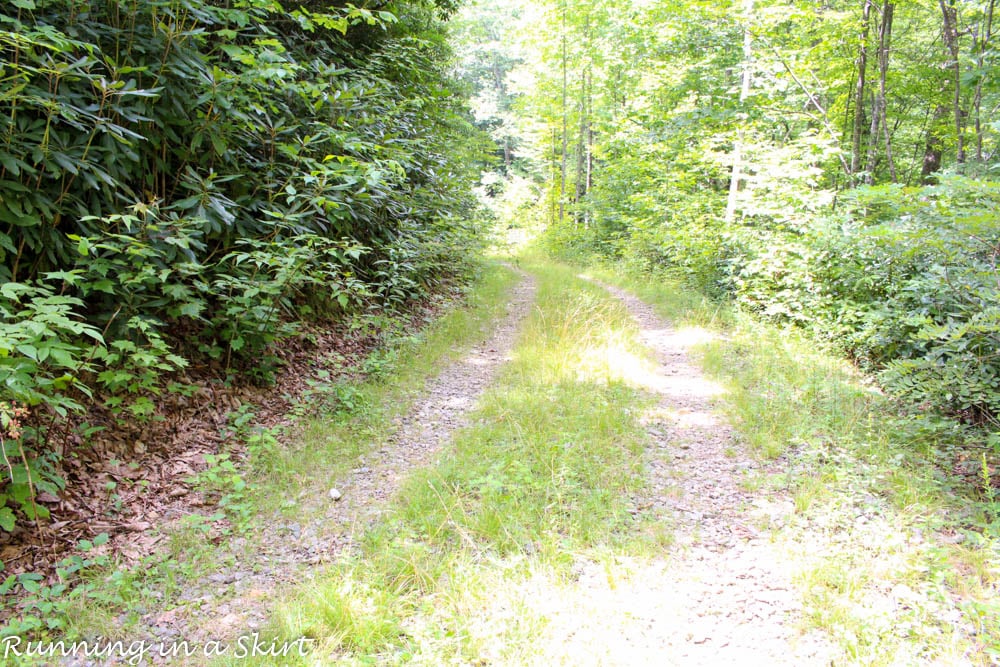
{"type": "Point", "coordinates": [268, 476]}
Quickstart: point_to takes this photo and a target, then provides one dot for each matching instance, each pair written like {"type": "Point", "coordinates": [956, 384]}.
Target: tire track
{"type": "Point", "coordinates": [238, 600]}
{"type": "Point", "coordinates": [724, 594]}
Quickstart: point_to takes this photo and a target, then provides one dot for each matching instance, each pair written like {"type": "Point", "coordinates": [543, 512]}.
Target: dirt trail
{"type": "Point", "coordinates": [238, 600]}
{"type": "Point", "coordinates": [725, 596]}
{"type": "Point", "coordinates": [432, 421]}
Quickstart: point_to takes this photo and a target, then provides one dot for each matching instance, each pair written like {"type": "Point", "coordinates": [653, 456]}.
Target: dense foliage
{"type": "Point", "coordinates": [189, 180]}
{"type": "Point", "coordinates": [829, 166]}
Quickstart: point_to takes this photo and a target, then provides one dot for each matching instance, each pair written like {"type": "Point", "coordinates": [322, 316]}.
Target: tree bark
{"type": "Point", "coordinates": [949, 31]}
{"type": "Point", "coordinates": [933, 146]}
{"type": "Point", "coordinates": [736, 176]}
{"type": "Point", "coordinates": [859, 91]}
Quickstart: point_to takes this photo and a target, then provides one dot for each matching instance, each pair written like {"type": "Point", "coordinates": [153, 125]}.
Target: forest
{"type": "Point", "coordinates": [271, 221]}
{"type": "Point", "coordinates": [828, 165]}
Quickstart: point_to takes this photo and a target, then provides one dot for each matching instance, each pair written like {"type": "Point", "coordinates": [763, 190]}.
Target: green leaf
{"type": "Point", "coordinates": [10, 164]}
{"type": "Point", "coordinates": [219, 144]}
{"type": "Point", "coordinates": [34, 511]}
{"type": "Point", "coordinates": [83, 246]}
{"type": "Point", "coordinates": [7, 519]}
{"type": "Point", "coordinates": [63, 357]}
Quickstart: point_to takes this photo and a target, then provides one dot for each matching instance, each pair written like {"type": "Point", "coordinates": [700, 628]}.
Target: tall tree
{"type": "Point", "coordinates": [949, 32]}
{"type": "Point", "coordinates": [745, 78]}
{"type": "Point", "coordinates": [859, 91]}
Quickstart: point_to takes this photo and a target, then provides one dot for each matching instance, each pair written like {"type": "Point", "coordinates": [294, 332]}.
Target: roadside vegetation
{"type": "Point", "coordinates": [897, 557]}
{"type": "Point", "coordinates": [820, 182]}
{"type": "Point", "coordinates": [265, 476]}
{"type": "Point", "coordinates": [542, 481]}
{"type": "Point", "coordinates": [196, 196]}
{"type": "Point", "coordinates": [192, 193]}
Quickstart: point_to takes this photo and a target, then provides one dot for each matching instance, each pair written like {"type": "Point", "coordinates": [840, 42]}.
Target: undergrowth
{"type": "Point", "coordinates": [266, 473]}
{"type": "Point", "coordinates": [185, 183]}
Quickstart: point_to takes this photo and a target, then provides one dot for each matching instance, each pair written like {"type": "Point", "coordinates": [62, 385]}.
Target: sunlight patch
{"type": "Point", "coordinates": [615, 362]}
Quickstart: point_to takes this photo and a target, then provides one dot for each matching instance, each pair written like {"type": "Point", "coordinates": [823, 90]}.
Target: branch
{"type": "Point", "coordinates": [823, 117]}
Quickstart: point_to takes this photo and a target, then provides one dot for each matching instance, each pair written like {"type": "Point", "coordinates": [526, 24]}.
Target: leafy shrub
{"type": "Point", "coordinates": [907, 283]}
{"type": "Point", "coordinates": [185, 180]}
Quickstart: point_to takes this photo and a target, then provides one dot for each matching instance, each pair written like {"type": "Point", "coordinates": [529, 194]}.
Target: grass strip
{"type": "Point", "coordinates": [542, 479]}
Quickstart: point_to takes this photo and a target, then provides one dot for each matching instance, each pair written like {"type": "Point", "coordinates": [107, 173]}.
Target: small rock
{"type": "Point", "coordinates": [335, 495]}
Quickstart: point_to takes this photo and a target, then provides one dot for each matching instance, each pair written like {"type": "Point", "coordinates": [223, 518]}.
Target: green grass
{"type": "Point", "coordinates": [338, 421]}
{"type": "Point", "coordinates": [477, 551]}
{"type": "Point", "coordinates": [539, 482]}
{"type": "Point", "coordinates": [345, 419]}
{"type": "Point", "coordinates": [876, 507]}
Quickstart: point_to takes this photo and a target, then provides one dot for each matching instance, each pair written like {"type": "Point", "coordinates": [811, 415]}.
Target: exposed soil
{"type": "Point", "coordinates": [724, 597]}
{"type": "Point", "coordinates": [130, 475]}
{"type": "Point", "coordinates": [239, 599]}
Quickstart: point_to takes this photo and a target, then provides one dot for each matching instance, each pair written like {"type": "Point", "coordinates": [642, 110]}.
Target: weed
{"type": "Point", "coordinates": [43, 608]}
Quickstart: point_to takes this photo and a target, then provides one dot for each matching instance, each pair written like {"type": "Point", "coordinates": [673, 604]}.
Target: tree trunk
{"type": "Point", "coordinates": [501, 90]}
{"type": "Point", "coordinates": [933, 146]}
{"type": "Point", "coordinates": [565, 136]}
{"type": "Point", "coordinates": [884, 38]}
{"type": "Point", "coordinates": [736, 176]}
{"type": "Point", "coordinates": [872, 160]}
{"type": "Point", "coordinates": [949, 31]}
{"type": "Point", "coordinates": [580, 186]}
{"type": "Point", "coordinates": [983, 43]}
{"type": "Point", "coordinates": [590, 138]}
{"type": "Point", "coordinates": [555, 169]}
{"type": "Point", "coordinates": [859, 92]}
{"type": "Point", "coordinates": [583, 146]}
